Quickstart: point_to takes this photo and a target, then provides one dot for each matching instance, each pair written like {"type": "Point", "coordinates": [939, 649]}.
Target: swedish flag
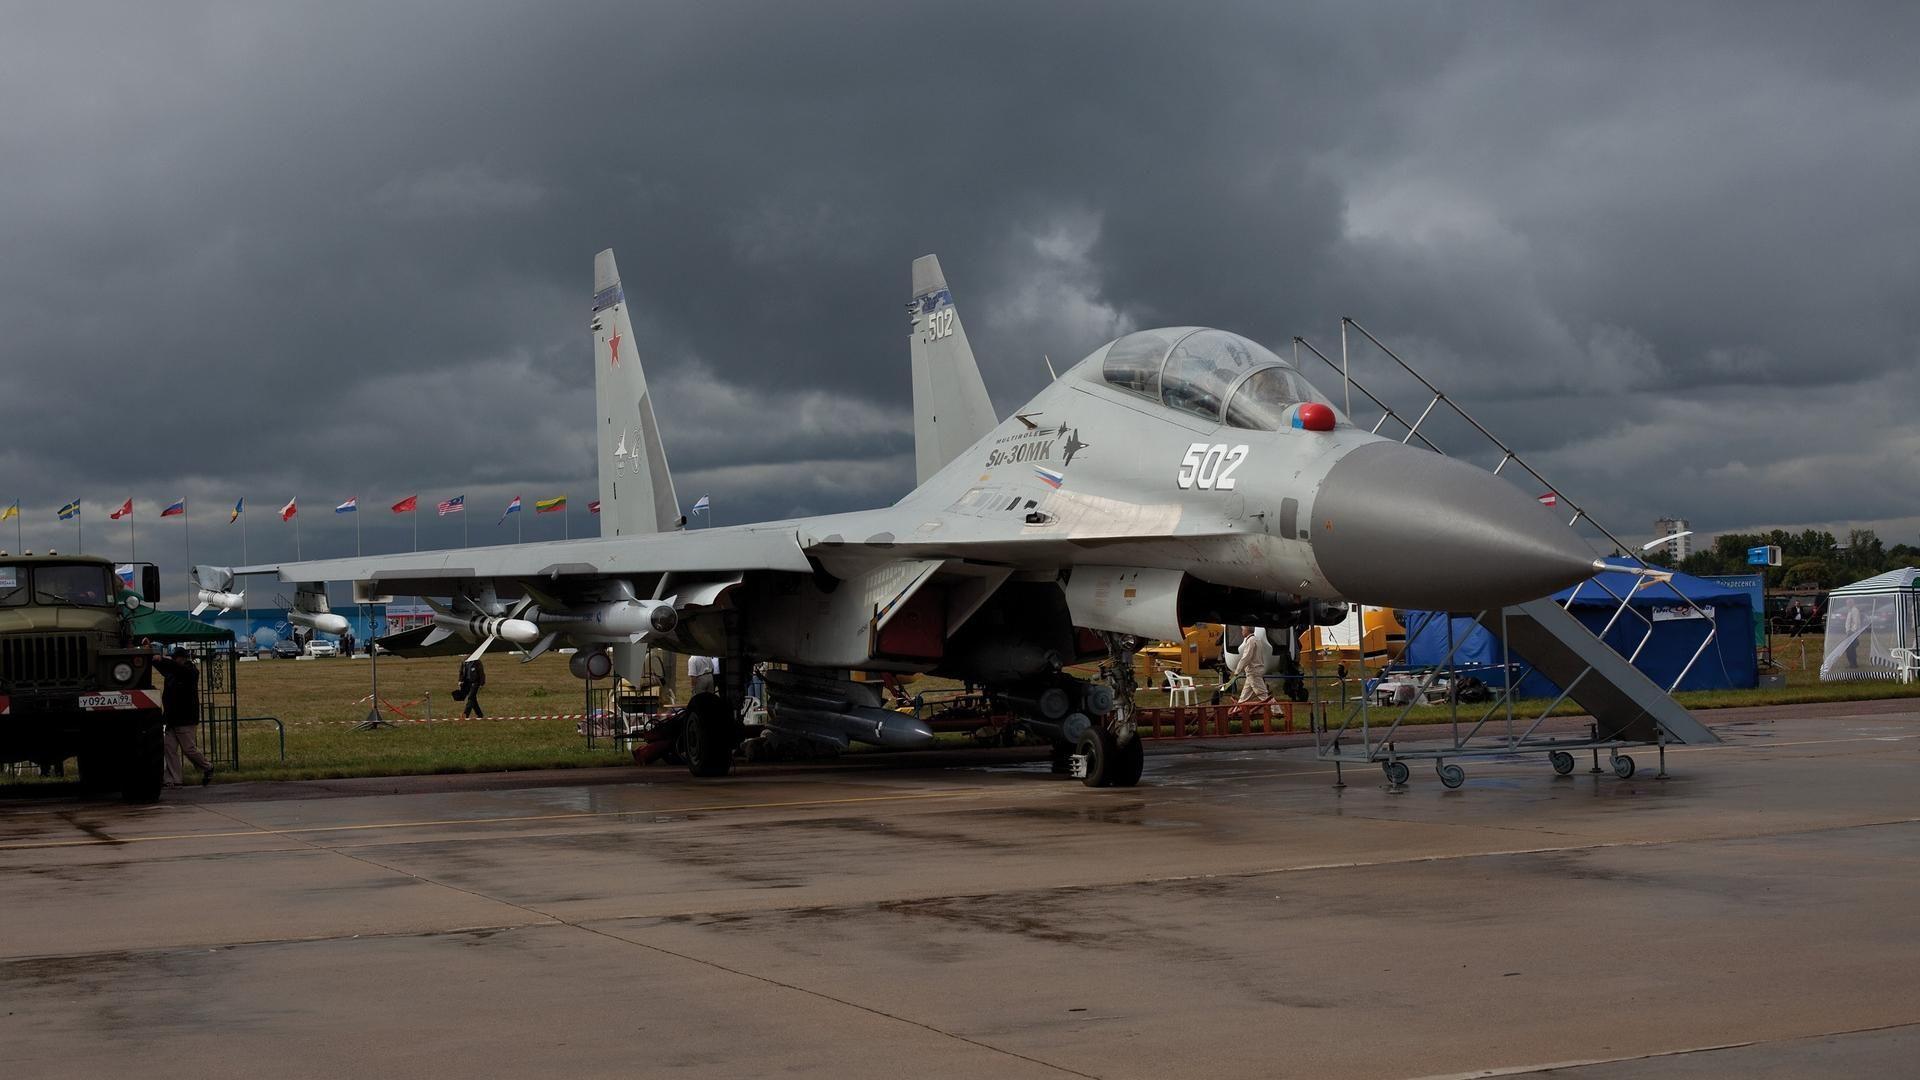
{"type": "Point", "coordinates": [70, 511]}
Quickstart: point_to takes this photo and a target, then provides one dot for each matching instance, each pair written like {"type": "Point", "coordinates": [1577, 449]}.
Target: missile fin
{"type": "Point", "coordinates": [439, 634]}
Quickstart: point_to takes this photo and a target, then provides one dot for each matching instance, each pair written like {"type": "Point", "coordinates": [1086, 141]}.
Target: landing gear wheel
{"type": "Point", "coordinates": [1129, 758]}
{"type": "Point", "coordinates": [1451, 776]}
{"type": "Point", "coordinates": [1062, 758]}
{"type": "Point", "coordinates": [143, 764]}
{"type": "Point", "coordinates": [1397, 772]}
{"type": "Point", "coordinates": [1623, 766]}
{"type": "Point", "coordinates": [1561, 761]}
{"type": "Point", "coordinates": [711, 735]}
{"type": "Point", "coordinates": [1097, 747]}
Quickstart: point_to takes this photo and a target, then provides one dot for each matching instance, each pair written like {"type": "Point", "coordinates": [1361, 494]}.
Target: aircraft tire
{"type": "Point", "coordinates": [711, 735]}
{"type": "Point", "coordinates": [1129, 759]}
{"type": "Point", "coordinates": [1098, 748]}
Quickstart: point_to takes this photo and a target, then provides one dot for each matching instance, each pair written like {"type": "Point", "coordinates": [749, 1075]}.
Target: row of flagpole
{"type": "Point", "coordinates": [291, 512]}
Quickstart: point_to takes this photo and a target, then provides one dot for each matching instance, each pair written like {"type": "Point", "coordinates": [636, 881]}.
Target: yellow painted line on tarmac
{"type": "Point", "coordinates": [441, 822]}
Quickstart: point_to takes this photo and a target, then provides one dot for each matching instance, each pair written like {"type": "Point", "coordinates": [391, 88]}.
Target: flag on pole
{"type": "Point", "coordinates": [175, 508]}
{"type": "Point", "coordinates": [126, 510]}
{"type": "Point", "coordinates": [238, 505]}
{"type": "Point", "coordinates": [700, 504]}
{"type": "Point", "coordinates": [70, 511]}
{"type": "Point", "coordinates": [11, 511]}
{"type": "Point", "coordinates": [512, 508]}
{"type": "Point", "coordinates": [548, 506]}
{"type": "Point", "coordinates": [593, 507]}
{"type": "Point", "coordinates": [287, 511]}
{"type": "Point", "coordinates": [455, 505]}
{"type": "Point", "coordinates": [1549, 499]}
{"type": "Point", "coordinates": [124, 572]}
{"type": "Point", "coordinates": [407, 505]}
{"type": "Point", "coordinates": [351, 506]}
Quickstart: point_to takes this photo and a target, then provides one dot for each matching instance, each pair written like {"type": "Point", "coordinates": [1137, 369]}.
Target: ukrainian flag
{"type": "Point", "coordinates": [237, 504]}
{"type": "Point", "coordinates": [548, 506]}
{"type": "Point", "coordinates": [70, 511]}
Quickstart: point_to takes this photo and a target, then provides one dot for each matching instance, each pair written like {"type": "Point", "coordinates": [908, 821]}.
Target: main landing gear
{"type": "Point", "coordinates": [1110, 754]}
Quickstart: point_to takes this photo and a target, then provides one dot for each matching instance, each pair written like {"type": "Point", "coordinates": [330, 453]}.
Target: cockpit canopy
{"type": "Point", "coordinates": [1213, 374]}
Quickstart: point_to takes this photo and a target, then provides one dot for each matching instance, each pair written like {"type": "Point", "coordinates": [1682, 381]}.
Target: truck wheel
{"type": "Point", "coordinates": [712, 733]}
{"type": "Point", "coordinates": [143, 763]}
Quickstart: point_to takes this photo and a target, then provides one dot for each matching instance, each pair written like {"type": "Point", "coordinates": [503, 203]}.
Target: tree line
{"type": "Point", "coordinates": [1812, 557]}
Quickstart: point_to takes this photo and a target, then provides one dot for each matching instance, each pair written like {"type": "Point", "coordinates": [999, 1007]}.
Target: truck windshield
{"type": "Point", "coordinates": [13, 586]}
{"type": "Point", "coordinates": [70, 585]}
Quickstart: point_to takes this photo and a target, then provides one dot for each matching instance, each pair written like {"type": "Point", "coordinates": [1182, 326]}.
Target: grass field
{"type": "Point", "coordinates": [320, 701]}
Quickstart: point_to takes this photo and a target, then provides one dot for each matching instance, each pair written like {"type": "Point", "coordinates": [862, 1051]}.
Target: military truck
{"type": "Point", "coordinates": [73, 682]}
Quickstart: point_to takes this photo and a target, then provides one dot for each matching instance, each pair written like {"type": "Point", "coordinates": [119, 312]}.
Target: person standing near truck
{"type": "Point", "coordinates": [180, 701]}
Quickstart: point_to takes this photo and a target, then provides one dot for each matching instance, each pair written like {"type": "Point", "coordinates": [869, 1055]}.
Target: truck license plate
{"type": "Point", "coordinates": [105, 701]}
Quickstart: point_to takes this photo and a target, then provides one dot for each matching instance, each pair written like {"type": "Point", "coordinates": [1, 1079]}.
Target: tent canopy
{"type": "Point", "coordinates": [1866, 622]}
{"type": "Point", "coordinates": [172, 627]}
{"type": "Point", "coordinates": [1671, 628]}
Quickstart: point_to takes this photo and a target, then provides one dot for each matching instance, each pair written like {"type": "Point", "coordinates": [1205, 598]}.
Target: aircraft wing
{"type": "Point", "coordinates": [697, 551]}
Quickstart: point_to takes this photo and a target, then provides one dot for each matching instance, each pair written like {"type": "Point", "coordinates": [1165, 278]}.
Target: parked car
{"type": "Point", "coordinates": [317, 647]}
{"type": "Point", "coordinates": [286, 649]}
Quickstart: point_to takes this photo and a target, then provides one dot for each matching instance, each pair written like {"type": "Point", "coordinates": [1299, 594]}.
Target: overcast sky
{"type": "Point", "coordinates": [1671, 252]}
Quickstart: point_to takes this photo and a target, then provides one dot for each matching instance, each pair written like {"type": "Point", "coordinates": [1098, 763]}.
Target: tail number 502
{"type": "Point", "coordinates": [1210, 466]}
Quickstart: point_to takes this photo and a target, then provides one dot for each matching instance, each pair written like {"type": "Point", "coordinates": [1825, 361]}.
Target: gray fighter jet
{"type": "Point", "coordinates": [1173, 476]}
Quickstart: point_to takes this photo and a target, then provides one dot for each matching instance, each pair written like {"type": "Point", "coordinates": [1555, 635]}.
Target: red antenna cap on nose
{"type": "Point", "coordinates": [1316, 417]}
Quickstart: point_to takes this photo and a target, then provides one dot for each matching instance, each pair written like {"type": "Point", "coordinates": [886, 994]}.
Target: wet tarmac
{"type": "Point", "coordinates": [1752, 915]}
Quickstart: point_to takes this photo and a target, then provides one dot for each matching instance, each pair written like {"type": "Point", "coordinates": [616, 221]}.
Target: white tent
{"type": "Point", "coordinates": [1873, 627]}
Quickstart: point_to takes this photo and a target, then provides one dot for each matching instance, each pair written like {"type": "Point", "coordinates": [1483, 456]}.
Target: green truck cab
{"type": "Point", "coordinates": [73, 682]}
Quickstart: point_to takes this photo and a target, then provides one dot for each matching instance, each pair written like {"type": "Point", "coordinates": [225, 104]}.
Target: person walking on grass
{"type": "Point", "coordinates": [473, 676]}
{"type": "Point", "coordinates": [180, 703]}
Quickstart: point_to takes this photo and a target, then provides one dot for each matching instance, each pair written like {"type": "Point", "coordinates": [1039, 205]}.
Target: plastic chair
{"type": "Point", "coordinates": [1906, 664]}
{"type": "Point", "coordinates": [1179, 689]}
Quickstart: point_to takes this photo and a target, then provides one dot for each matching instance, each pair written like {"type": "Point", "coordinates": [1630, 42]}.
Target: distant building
{"type": "Point", "coordinates": [1677, 550]}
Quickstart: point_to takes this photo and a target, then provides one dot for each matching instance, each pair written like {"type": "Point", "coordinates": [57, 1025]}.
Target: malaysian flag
{"type": "Point", "coordinates": [1549, 499]}
{"type": "Point", "coordinates": [455, 505]}
{"type": "Point", "coordinates": [593, 507]}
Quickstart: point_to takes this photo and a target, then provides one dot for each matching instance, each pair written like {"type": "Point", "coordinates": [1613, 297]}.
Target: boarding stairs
{"type": "Point", "coordinates": [1624, 708]}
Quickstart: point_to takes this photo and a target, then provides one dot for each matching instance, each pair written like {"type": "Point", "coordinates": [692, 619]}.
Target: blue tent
{"type": "Point", "coordinates": [1728, 663]}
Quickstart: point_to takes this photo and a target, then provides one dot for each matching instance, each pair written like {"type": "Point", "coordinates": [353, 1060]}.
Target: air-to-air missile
{"type": "Point", "coordinates": [478, 627]}
{"type": "Point", "coordinates": [325, 622]}
{"type": "Point", "coordinates": [619, 620]}
{"type": "Point", "coordinates": [225, 601]}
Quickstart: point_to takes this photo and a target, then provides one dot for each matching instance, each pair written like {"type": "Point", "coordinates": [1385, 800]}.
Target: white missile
{"type": "Point", "coordinates": [482, 627]}
{"type": "Point", "coordinates": [626, 620]}
{"type": "Point", "coordinates": [225, 601]}
{"type": "Point", "coordinates": [323, 621]}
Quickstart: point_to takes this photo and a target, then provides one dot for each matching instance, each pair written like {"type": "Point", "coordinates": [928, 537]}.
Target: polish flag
{"type": "Point", "coordinates": [126, 510]}
{"type": "Point", "coordinates": [287, 511]}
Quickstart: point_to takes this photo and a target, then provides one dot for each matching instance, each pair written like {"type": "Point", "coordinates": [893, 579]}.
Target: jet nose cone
{"type": "Point", "coordinates": [1399, 527]}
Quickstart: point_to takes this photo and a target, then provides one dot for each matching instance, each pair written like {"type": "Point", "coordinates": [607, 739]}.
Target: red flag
{"type": "Point", "coordinates": [407, 505]}
{"type": "Point", "coordinates": [593, 507]}
{"type": "Point", "coordinates": [287, 511]}
{"type": "Point", "coordinates": [126, 510]}
{"type": "Point", "coordinates": [1549, 499]}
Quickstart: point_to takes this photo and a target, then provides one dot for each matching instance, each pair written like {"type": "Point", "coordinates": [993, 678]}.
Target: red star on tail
{"type": "Point", "coordinates": [613, 347]}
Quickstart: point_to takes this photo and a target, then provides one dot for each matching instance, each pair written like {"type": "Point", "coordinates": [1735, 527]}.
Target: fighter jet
{"type": "Point", "coordinates": [1174, 475]}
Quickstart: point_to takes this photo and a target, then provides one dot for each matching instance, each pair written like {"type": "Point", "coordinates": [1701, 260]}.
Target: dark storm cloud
{"type": "Point", "coordinates": [343, 250]}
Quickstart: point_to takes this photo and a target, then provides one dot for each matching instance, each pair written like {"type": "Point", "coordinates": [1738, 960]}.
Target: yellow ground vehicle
{"type": "Point", "coordinates": [1198, 650]}
{"type": "Point", "coordinates": [1370, 637]}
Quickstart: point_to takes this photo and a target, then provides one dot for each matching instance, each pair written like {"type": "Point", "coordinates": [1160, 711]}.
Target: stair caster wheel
{"type": "Point", "coordinates": [1561, 761]}
{"type": "Point", "coordinates": [1451, 776]}
{"type": "Point", "coordinates": [1623, 766]}
{"type": "Point", "coordinates": [1397, 772]}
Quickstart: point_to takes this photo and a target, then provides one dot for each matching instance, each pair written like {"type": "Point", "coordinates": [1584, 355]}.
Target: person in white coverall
{"type": "Point", "coordinates": [1251, 664]}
